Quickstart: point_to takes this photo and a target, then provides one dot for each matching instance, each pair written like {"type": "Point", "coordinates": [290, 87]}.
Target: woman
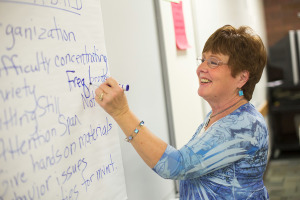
{"type": "Point", "coordinates": [227, 156]}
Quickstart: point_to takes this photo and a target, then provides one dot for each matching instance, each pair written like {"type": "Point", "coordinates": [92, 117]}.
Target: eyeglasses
{"type": "Point", "coordinates": [211, 62]}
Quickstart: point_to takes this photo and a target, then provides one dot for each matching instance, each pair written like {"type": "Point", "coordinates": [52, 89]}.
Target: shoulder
{"type": "Point", "coordinates": [244, 117]}
{"type": "Point", "coordinates": [252, 115]}
{"type": "Point", "coordinates": [246, 123]}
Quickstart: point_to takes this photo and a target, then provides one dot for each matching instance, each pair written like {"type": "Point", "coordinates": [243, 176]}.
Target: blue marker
{"type": "Point", "coordinates": [125, 87]}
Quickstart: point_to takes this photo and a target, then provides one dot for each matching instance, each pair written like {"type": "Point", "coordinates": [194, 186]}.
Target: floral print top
{"type": "Point", "coordinates": [227, 161]}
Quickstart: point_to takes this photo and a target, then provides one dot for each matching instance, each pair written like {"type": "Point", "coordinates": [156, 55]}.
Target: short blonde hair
{"type": "Point", "coordinates": [245, 49]}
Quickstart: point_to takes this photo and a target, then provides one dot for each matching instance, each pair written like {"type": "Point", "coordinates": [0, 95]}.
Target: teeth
{"type": "Point", "coordinates": [205, 80]}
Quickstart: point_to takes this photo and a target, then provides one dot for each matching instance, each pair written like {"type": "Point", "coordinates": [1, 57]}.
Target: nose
{"type": "Point", "coordinates": [202, 67]}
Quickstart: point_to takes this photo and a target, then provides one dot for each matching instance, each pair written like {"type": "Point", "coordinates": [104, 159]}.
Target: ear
{"type": "Point", "coordinates": [243, 78]}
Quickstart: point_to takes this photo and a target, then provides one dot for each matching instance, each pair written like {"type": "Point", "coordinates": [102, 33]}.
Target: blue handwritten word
{"type": "Point", "coordinates": [54, 158]}
{"type": "Point", "coordinates": [39, 138]}
{"type": "Point", "coordinates": [68, 122]}
{"type": "Point", "coordinates": [88, 100]}
{"type": "Point", "coordinates": [18, 92]}
{"type": "Point", "coordinates": [105, 170]}
{"type": "Point", "coordinates": [101, 172]}
{"type": "Point", "coordinates": [17, 180]}
{"type": "Point", "coordinates": [75, 4]}
{"type": "Point", "coordinates": [13, 118]}
{"type": "Point", "coordinates": [41, 105]}
{"type": "Point", "coordinates": [84, 58]}
{"type": "Point", "coordinates": [93, 134]}
{"type": "Point", "coordinates": [38, 33]}
{"type": "Point", "coordinates": [72, 194]}
{"type": "Point", "coordinates": [75, 81]}
{"type": "Point", "coordinates": [79, 166]}
{"type": "Point", "coordinates": [101, 77]}
{"type": "Point", "coordinates": [37, 191]}
{"type": "Point", "coordinates": [15, 147]}
{"type": "Point", "coordinates": [71, 6]}
{"type": "Point", "coordinates": [10, 65]}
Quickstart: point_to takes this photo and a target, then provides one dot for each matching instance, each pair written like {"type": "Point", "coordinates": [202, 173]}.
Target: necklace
{"type": "Point", "coordinates": [211, 116]}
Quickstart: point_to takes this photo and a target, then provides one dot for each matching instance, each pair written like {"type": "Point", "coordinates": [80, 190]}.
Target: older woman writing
{"type": "Point", "coordinates": [227, 156]}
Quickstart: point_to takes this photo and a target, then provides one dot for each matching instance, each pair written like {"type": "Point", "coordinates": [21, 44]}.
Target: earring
{"type": "Point", "coordinates": [241, 92]}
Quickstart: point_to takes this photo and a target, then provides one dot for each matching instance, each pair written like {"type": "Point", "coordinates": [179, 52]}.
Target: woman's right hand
{"type": "Point", "coordinates": [111, 97]}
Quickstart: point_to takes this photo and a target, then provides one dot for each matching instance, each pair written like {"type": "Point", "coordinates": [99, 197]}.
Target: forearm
{"type": "Point", "coordinates": [112, 99]}
{"type": "Point", "coordinates": [147, 145]}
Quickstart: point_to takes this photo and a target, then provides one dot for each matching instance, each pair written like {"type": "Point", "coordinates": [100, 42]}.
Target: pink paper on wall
{"type": "Point", "coordinates": [180, 36]}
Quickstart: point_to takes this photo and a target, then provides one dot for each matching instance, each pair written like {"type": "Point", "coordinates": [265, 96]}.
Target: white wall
{"type": "Point", "coordinates": [183, 81]}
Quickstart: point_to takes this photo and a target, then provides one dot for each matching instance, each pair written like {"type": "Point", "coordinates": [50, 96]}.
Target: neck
{"type": "Point", "coordinates": [230, 104]}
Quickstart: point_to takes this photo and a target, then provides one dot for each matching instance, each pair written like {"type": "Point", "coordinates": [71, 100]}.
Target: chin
{"type": "Point", "coordinates": [203, 95]}
{"type": "Point", "coordinates": [200, 93]}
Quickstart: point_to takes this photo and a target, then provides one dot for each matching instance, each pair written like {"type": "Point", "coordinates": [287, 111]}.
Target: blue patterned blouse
{"type": "Point", "coordinates": [227, 161]}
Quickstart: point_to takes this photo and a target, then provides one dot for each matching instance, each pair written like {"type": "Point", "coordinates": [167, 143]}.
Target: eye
{"type": "Point", "coordinates": [214, 61]}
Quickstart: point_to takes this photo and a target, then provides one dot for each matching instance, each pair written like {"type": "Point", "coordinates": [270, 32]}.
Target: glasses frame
{"type": "Point", "coordinates": [217, 63]}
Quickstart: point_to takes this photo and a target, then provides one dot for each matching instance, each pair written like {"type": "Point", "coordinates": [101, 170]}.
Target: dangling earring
{"type": "Point", "coordinates": [241, 92]}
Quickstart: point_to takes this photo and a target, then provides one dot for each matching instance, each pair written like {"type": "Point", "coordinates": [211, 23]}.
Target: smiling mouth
{"type": "Point", "coordinates": [204, 80]}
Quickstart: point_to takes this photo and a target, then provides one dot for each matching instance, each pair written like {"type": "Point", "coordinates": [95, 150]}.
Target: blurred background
{"type": "Point", "coordinates": [283, 72]}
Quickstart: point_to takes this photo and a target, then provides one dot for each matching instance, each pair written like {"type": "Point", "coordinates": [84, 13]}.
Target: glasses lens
{"type": "Point", "coordinates": [213, 62]}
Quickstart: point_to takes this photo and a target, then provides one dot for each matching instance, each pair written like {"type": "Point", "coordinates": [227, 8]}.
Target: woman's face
{"type": "Point", "coordinates": [216, 84]}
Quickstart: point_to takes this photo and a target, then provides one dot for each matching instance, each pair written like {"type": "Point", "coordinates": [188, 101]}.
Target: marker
{"type": "Point", "coordinates": [125, 87]}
